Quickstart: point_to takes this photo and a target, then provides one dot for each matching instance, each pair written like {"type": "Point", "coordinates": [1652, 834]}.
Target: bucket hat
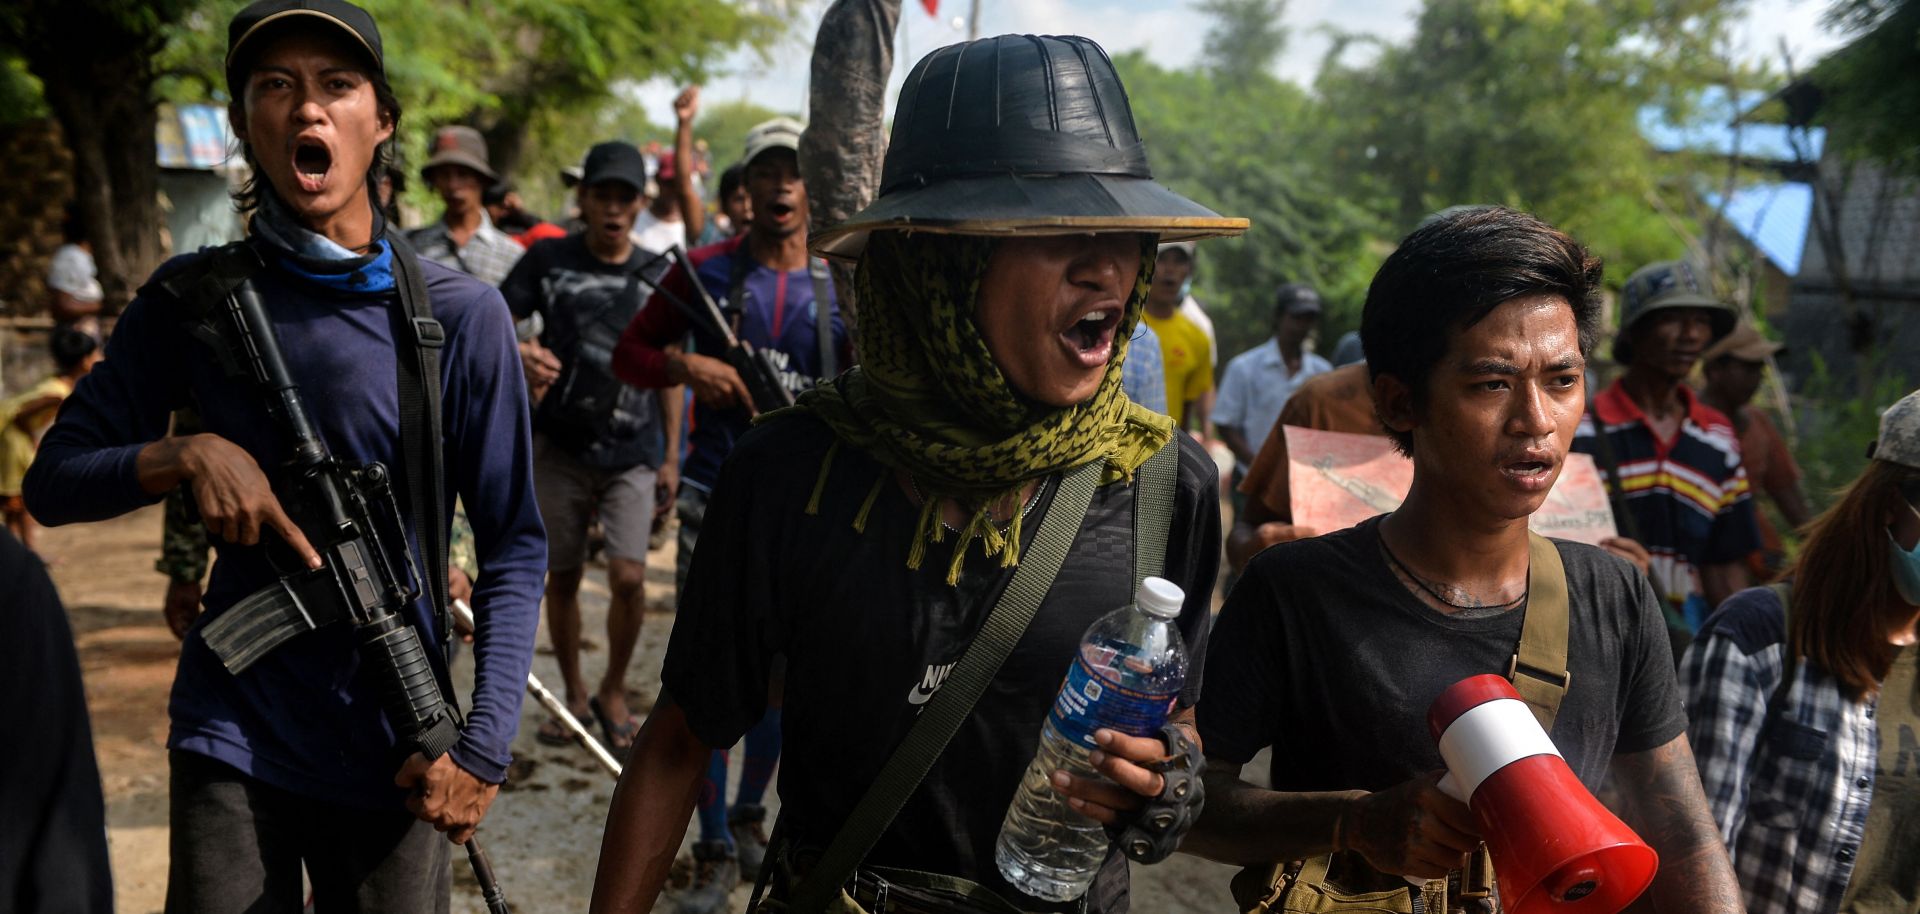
{"type": "Point", "coordinates": [1745, 343]}
{"type": "Point", "coordinates": [1019, 135]}
{"type": "Point", "coordinates": [459, 145]}
{"type": "Point", "coordinates": [1664, 285]}
{"type": "Point", "coordinates": [1899, 438]}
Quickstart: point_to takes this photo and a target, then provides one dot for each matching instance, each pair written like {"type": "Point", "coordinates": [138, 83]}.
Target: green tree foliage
{"type": "Point", "coordinates": [1255, 147]}
{"type": "Point", "coordinates": [508, 66]}
{"type": "Point", "coordinates": [94, 62]}
{"type": "Point", "coordinates": [1871, 89]}
{"type": "Point", "coordinates": [20, 94]}
{"type": "Point", "coordinates": [1245, 38]}
{"type": "Point", "coordinates": [724, 126]}
{"type": "Point", "coordinates": [560, 138]}
{"type": "Point", "coordinates": [1532, 104]}
{"type": "Point", "coordinates": [1529, 103]}
{"type": "Point", "coordinates": [1840, 414]}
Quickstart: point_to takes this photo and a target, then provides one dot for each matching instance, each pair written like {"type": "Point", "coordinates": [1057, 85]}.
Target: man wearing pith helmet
{"type": "Point", "coordinates": [866, 534]}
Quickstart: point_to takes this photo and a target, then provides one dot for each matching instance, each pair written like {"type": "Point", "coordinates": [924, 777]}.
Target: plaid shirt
{"type": "Point", "coordinates": [489, 255]}
{"type": "Point", "coordinates": [1789, 777]}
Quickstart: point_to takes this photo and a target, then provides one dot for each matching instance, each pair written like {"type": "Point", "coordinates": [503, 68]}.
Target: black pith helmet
{"type": "Point", "coordinates": [1019, 135]}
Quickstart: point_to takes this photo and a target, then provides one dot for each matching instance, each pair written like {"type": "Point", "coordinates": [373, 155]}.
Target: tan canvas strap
{"type": "Point", "coordinates": [1538, 669]}
{"type": "Point", "coordinates": [1313, 870]}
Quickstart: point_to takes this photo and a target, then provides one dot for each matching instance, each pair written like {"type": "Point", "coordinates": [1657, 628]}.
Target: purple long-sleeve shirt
{"type": "Point", "coordinates": [305, 717]}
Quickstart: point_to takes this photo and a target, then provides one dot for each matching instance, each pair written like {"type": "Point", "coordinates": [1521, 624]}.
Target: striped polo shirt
{"type": "Point", "coordinates": [1687, 496]}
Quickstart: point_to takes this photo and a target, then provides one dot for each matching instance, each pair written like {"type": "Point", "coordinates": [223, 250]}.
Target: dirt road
{"type": "Point", "coordinates": [544, 831]}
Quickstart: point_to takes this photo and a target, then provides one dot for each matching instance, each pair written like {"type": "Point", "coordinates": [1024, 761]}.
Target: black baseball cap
{"type": "Point", "coordinates": [339, 14]}
{"type": "Point", "coordinates": [615, 160]}
{"type": "Point", "coordinates": [1297, 298]}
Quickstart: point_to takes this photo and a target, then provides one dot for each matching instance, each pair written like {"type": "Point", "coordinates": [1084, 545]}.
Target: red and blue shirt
{"type": "Point", "coordinates": [776, 315]}
{"type": "Point", "coordinates": [1688, 496]}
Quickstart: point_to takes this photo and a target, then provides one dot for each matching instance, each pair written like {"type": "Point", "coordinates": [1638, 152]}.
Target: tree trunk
{"type": "Point", "coordinates": [115, 180]}
{"type": "Point", "coordinates": [95, 62]}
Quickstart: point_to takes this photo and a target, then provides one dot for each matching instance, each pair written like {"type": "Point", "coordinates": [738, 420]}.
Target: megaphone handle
{"type": "Point", "coordinates": [1451, 787]}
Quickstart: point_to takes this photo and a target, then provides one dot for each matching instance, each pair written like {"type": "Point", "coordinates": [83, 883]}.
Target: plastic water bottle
{"type": "Point", "coordinates": [1132, 663]}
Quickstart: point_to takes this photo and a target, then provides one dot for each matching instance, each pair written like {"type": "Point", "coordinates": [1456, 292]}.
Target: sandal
{"type": "Point", "coordinates": [619, 736]}
{"type": "Point", "coordinates": [554, 733]}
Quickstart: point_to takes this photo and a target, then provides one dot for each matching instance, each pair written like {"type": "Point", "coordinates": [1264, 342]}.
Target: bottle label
{"type": "Point", "coordinates": [1090, 699]}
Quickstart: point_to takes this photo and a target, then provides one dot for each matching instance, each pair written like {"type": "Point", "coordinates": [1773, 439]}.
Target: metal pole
{"type": "Point", "coordinates": [554, 705]}
{"type": "Point", "coordinates": [973, 21]}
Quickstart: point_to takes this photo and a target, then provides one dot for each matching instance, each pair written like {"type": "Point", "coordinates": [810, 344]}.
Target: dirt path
{"type": "Point", "coordinates": [544, 831]}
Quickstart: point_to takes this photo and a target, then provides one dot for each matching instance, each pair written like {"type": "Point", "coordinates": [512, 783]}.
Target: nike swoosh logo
{"type": "Point", "coordinates": [919, 695]}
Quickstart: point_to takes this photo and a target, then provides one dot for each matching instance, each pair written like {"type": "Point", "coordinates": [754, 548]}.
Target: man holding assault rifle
{"type": "Point", "coordinates": [311, 727]}
{"type": "Point", "coordinates": [775, 301]}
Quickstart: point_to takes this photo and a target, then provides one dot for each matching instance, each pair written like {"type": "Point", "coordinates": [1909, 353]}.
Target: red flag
{"type": "Point", "coordinates": [933, 7]}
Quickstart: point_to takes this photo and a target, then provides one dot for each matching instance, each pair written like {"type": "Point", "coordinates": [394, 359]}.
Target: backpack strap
{"type": "Point", "coordinates": [418, 339]}
{"type": "Point", "coordinates": [1538, 669]}
{"type": "Point", "coordinates": [1153, 511]}
{"type": "Point", "coordinates": [950, 707]}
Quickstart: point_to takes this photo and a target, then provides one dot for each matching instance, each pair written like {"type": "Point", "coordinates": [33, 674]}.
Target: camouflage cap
{"type": "Point", "coordinates": [1899, 440]}
{"type": "Point", "coordinates": [1663, 285]}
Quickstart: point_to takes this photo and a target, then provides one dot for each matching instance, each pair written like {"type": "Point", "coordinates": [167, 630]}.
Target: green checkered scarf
{"type": "Point", "coordinates": [928, 399]}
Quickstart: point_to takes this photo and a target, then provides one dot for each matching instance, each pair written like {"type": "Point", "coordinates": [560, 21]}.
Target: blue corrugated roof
{"type": "Point", "coordinates": [1774, 217]}
{"type": "Point", "coordinates": [1712, 131]}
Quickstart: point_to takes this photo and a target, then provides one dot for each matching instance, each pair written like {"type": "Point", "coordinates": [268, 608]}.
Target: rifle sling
{"type": "Point", "coordinates": [421, 453]}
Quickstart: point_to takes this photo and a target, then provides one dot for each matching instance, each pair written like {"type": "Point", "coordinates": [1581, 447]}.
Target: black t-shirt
{"type": "Point", "coordinates": [586, 303]}
{"type": "Point", "coordinates": [868, 640]}
{"type": "Point", "coordinates": [1322, 653]}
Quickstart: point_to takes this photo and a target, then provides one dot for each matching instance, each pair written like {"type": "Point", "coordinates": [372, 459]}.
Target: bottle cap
{"type": "Point", "coordinates": [1160, 598]}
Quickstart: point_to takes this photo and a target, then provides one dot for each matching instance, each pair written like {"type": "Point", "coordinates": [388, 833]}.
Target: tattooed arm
{"type": "Point", "coordinates": [1412, 829]}
{"type": "Point", "coordinates": [1248, 825]}
{"type": "Point", "coordinates": [1667, 807]}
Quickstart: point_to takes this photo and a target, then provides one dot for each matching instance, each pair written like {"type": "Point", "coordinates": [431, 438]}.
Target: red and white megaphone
{"type": "Point", "coordinates": [1555, 849]}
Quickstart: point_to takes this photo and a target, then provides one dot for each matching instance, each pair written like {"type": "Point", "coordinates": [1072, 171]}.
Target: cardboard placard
{"type": "Point", "coordinates": [1340, 479]}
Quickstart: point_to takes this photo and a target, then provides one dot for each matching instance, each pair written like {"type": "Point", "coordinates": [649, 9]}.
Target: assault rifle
{"type": "Point", "coordinates": [349, 515]}
{"type": "Point", "coordinates": [762, 379]}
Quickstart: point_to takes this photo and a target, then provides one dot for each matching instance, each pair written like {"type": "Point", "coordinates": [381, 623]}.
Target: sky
{"type": "Point", "coordinates": [1169, 31]}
